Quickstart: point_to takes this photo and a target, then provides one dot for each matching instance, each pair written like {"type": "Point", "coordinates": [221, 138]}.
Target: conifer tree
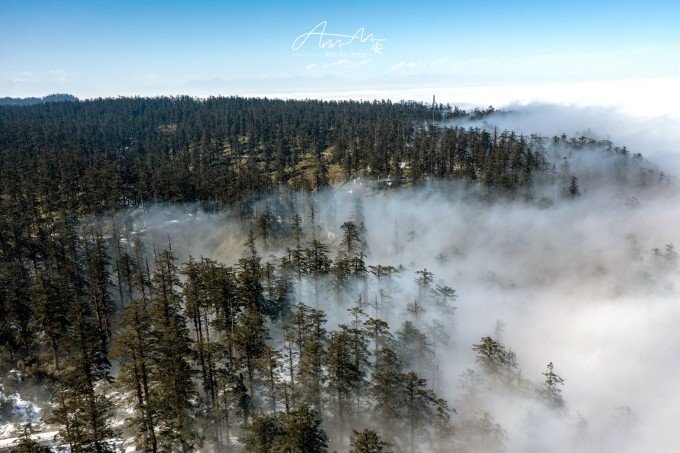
{"type": "Point", "coordinates": [82, 409]}
{"type": "Point", "coordinates": [17, 337]}
{"type": "Point", "coordinates": [350, 237]}
{"type": "Point", "coordinates": [51, 306]}
{"type": "Point", "coordinates": [318, 265]}
{"type": "Point", "coordinates": [346, 362]}
{"type": "Point", "coordinates": [496, 360]}
{"type": "Point", "coordinates": [198, 309]}
{"type": "Point", "coordinates": [264, 433]}
{"type": "Point", "coordinates": [98, 283]}
{"type": "Point", "coordinates": [312, 353]}
{"type": "Point", "coordinates": [551, 389]}
{"type": "Point", "coordinates": [368, 441]}
{"type": "Point", "coordinates": [422, 407]}
{"type": "Point", "coordinates": [385, 389]}
{"type": "Point", "coordinates": [173, 377]}
{"type": "Point", "coordinates": [133, 348]}
{"type": "Point", "coordinates": [304, 433]}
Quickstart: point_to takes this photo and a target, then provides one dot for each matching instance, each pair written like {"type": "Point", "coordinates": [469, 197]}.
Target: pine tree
{"type": "Point", "coordinates": [223, 295]}
{"type": "Point", "coordinates": [378, 331]}
{"type": "Point", "coordinates": [263, 434]}
{"type": "Point", "coordinates": [385, 389]}
{"type": "Point", "coordinates": [304, 433]}
{"type": "Point", "coordinates": [83, 410]}
{"type": "Point", "coordinates": [496, 360]}
{"type": "Point", "coordinates": [171, 352]}
{"type": "Point", "coordinates": [243, 399]}
{"type": "Point", "coordinates": [98, 283]}
{"type": "Point", "coordinates": [346, 362]}
{"type": "Point", "coordinates": [296, 257]}
{"type": "Point", "coordinates": [17, 336]}
{"type": "Point", "coordinates": [250, 342]}
{"type": "Point", "coordinates": [368, 441]}
{"type": "Point", "coordinates": [51, 306]}
{"type": "Point", "coordinates": [551, 390]}
{"type": "Point", "coordinates": [482, 432]}
{"type": "Point", "coordinates": [414, 346]}
{"type": "Point", "coordinates": [424, 282]}
{"type": "Point", "coordinates": [266, 224]}
{"type": "Point", "coordinates": [312, 352]}
{"type": "Point", "coordinates": [271, 365]}
{"type": "Point", "coordinates": [573, 191]}
{"type": "Point", "coordinates": [134, 350]}
{"type": "Point", "coordinates": [470, 386]}
{"type": "Point", "coordinates": [350, 237]}
{"type": "Point", "coordinates": [318, 265]}
{"type": "Point", "coordinates": [197, 309]}
{"type": "Point", "coordinates": [422, 407]}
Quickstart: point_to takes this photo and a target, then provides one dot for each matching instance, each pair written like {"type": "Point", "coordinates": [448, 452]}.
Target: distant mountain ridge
{"type": "Point", "coordinates": [57, 97]}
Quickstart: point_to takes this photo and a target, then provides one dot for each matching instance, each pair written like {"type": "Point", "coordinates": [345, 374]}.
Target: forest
{"type": "Point", "coordinates": [244, 274]}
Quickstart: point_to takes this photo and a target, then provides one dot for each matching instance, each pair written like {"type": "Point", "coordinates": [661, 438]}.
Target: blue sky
{"type": "Point", "coordinates": [92, 48]}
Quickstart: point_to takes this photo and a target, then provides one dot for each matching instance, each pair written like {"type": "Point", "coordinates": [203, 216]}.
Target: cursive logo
{"type": "Point", "coordinates": [329, 41]}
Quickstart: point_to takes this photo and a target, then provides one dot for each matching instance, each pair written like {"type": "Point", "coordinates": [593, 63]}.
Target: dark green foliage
{"type": "Point", "coordinates": [133, 348]}
{"type": "Point", "coordinates": [98, 155]}
{"type": "Point", "coordinates": [82, 410]}
{"type": "Point", "coordinates": [368, 441]}
{"type": "Point", "coordinates": [263, 434]}
{"type": "Point", "coordinates": [385, 388]}
{"type": "Point", "coordinates": [304, 433]}
{"type": "Point", "coordinates": [306, 330]}
{"type": "Point", "coordinates": [173, 375]}
{"type": "Point", "coordinates": [296, 432]}
{"type": "Point", "coordinates": [496, 360]}
{"type": "Point", "coordinates": [422, 407]}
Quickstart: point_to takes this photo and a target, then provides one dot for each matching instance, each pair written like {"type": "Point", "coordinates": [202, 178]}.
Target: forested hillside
{"type": "Point", "coordinates": [130, 344]}
{"type": "Point", "coordinates": [100, 155]}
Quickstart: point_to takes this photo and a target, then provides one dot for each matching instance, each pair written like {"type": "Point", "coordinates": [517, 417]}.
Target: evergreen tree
{"type": "Point", "coordinates": [350, 237]}
{"type": "Point", "coordinates": [98, 283]}
{"type": "Point", "coordinates": [346, 362]}
{"type": "Point", "coordinates": [368, 441]}
{"type": "Point", "coordinates": [573, 191]}
{"type": "Point", "coordinates": [496, 360]}
{"type": "Point", "coordinates": [551, 390]}
{"type": "Point", "coordinates": [422, 407]}
{"type": "Point", "coordinates": [385, 389]}
{"type": "Point", "coordinates": [82, 409]}
{"type": "Point", "coordinates": [134, 350]}
{"type": "Point", "coordinates": [263, 434]}
{"type": "Point", "coordinates": [173, 377]}
{"type": "Point", "coordinates": [318, 265]}
{"type": "Point", "coordinates": [304, 433]}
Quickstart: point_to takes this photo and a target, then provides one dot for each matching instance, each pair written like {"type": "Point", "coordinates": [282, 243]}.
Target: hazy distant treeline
{"type": "Point", "coordinates": [34, 100]}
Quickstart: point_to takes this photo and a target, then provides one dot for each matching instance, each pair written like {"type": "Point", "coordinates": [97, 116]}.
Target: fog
{"type": "Point", "coordinates": [656, 137]}
{"type": "Point", "coordinates": [577, 284]}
